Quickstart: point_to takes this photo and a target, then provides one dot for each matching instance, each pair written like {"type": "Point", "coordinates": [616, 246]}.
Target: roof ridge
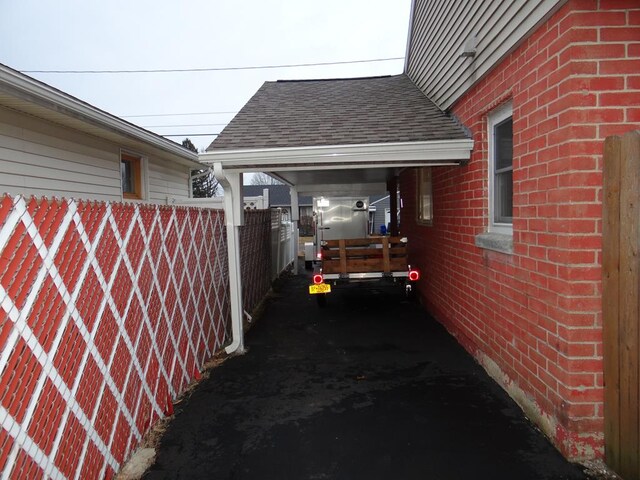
{"type": "Point", "coordinates": [335, 79]}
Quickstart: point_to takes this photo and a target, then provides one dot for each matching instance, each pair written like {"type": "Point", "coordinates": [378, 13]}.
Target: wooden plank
{"type": "Point", "coordinates": [631, 146]}
{"type": "Point", "coordinates": [363, 253]}
{"type": "Point", "coordinates": [363, 242]}
{"type": "Point", "coordinates": [629, 305]}
{"type": "Point", "coordinates": [353, 252]}
{"type": "Point", "coordinates": [611, 298]}
{"type": "Point", "coordinates": [386, 267]}
{"type": "Point", "coordinates": [343, 257]}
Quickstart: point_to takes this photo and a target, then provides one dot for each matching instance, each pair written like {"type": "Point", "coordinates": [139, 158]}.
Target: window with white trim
{"type": "Point", "coordinates": [425, 197]}
{"type": "Point", "coordinates": [500, 126]}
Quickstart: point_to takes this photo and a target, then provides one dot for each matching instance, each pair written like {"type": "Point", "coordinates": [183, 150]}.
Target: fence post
{"type": "Point", "coordinates": [621, 302]}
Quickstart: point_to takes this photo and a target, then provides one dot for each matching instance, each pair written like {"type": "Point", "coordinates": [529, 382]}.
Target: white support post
{"type": "Point", "coordinates": [234, 218]}
{"type": "Point", "coordinates": [295, 234]}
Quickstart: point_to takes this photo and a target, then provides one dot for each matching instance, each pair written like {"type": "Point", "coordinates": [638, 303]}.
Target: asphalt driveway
{"type": "Point", "coordinates": [368, 388]}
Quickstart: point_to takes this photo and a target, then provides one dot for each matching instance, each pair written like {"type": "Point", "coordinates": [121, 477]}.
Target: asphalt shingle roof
{"type": "Point", "coordinates": [300, 113]}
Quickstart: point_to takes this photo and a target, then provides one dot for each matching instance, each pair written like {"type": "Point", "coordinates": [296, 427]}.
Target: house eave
{"type": "Point", "coordinates": [31, 91]}
{"type": "Point", "coordinates": [375, 155]}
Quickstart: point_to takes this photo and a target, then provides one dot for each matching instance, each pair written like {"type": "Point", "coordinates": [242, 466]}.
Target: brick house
{"type": "Point", "coordinates": [516, 274]}
{"type": "Point", "coordinates": [509, 238]}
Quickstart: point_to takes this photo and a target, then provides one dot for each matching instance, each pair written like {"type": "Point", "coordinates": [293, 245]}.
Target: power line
{"type": "Point", "coordinates": [192, 125]}
{"type": "Point", "coordinates": [190, 135]}
{"type": "Point", "coordinates": [173, 114]}
{"type": "Point", "coordinates": [214, 69]}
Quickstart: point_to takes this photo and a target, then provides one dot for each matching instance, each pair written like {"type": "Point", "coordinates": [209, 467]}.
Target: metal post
{"type": "Point", "coordinates": [392, 186]}
{"type": "Point", "coordinates": [295, 218]}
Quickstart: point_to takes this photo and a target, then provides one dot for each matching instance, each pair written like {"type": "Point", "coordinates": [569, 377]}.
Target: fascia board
{"type": "Point", "coordinates": [38, 93]}
{"type": "Point", "coordinates": [440, 152]}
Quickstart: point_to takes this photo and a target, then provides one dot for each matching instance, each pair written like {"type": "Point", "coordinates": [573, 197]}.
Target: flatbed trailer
{"type": "Point", "coordinates": [376, 258]}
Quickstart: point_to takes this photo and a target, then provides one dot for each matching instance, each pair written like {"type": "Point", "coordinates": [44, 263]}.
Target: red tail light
{"type": "Point", "coordinates": [317, 279]}
{"type": "Point", "coordinates": [414, 275]}
{"type": "Point", "coordinates": [319, 255]}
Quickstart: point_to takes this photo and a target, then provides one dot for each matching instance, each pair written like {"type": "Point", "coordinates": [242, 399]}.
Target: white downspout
{"type": "Point", "coordinates": [295, 218]}
{"type": "Point", "coordinates": [234, 217]}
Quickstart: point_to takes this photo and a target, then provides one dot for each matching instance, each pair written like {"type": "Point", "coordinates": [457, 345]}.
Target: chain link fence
{"type": "Point", "coordinates": [108, 312]}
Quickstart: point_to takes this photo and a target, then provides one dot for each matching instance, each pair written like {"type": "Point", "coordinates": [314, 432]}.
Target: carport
{"type": "Point", "coordinates": [328, 137]}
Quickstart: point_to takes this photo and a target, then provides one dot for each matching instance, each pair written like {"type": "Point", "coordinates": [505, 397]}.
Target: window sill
{"type": "Point", "coordinates": [498, 242]}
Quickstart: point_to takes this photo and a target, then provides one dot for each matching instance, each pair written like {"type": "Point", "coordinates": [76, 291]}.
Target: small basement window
{"type": "Point", "coordinates": [131, 171]}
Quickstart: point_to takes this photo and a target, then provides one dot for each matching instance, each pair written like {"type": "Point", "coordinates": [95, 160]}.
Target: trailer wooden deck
{"type": "Point", "coordinates": [364, 255]}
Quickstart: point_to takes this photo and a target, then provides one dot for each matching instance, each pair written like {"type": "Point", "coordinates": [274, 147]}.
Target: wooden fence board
{"type": "Point", "coordinates": [611, 296]}
{"type": "Point", "coordinates": [628, 338]}
{"type": "Point", "coordinates": [621, 303]}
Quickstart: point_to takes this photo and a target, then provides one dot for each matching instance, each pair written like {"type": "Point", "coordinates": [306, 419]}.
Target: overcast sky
{"type": "Point", "coordinates": [159, 34]}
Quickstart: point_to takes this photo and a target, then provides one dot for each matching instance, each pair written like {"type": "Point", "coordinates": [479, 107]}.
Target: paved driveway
{"type": "Point", "coordinates": [368, 388]}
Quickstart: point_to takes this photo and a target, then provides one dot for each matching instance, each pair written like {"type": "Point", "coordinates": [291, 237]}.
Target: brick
{"type": "Point", "coordinates": [595, 19]}
{"type": "Point", "coordinates": [593, 52]}
{"type": "Point", "coordinates": [634, 17]}
{"type": "Point", "coordinates": [614, 129]}
{"type": "Point", "coordinates": [573, 257]}
{"type": "Point", "coordinates": [580, 304]}
{"type": "Point", "coordinates": [585, 365]}
{"type": "Point", "coordinates": [580, 178]}
{"type": "Point", "coordinates": [617, 67]}
{"type": "Point", "coordinates": [621, 5]}
{"type": "Point", "coordinates": [633, 82]}
{"type": "Point", "coordinates": [631, 99]}
{"type": "Point", "coordinates": [581, 210]}
{"type": "Point", "coordinates": [584, 35]}
{"type": "Point", "coordinates": [600, 83]}
{"type": "Point", "coordinates": [572, 100]}
{"type": "Point", "coordinates": [592, 115]}
{"type": "Point", "coordinates": [633, 115]}
{"type": "Point", "coordinates": [620, 34]}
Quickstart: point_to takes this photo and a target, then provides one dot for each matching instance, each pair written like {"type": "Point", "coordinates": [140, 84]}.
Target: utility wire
{"type": "Point", "coordinates": [173, 114]}
{"type": "Point", "coordinates": [190, 135]}
{"type": "Point", "coordinates": [214, 69]}
{"type": "Point", "coordinates": [192, 125]}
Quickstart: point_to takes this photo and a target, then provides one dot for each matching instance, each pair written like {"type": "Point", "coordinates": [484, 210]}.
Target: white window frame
{"type": "Point", "coordinates": [496, 117]}
{"type": "Point", "coordinates": [424, 178]}
{"type": "Point", "coordinates": [144, 177]}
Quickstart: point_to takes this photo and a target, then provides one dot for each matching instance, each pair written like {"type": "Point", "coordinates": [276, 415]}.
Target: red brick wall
{"type": "Point", "coordinates": [536, 314]}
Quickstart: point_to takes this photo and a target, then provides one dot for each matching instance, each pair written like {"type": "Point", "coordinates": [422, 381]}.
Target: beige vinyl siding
{"type": "Point", "coordinates": [167, 180]}
{"type": "Point", "coordinates": [43, 159]}
{"type": "Point", "coordinates": [441, 28]}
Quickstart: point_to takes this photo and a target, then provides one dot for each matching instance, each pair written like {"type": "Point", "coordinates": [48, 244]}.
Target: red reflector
{"type": "Point", "coordinates": [317, 279]}
{"type": "Point", "coordinates": [414, 275]}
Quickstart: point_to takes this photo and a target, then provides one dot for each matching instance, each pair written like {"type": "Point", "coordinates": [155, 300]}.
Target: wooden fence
{"type": "Point", "coordinates": [621, 302]}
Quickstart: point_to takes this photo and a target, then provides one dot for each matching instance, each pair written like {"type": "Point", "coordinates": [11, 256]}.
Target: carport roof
{"type": "Point", "coordinates": [352, 111]}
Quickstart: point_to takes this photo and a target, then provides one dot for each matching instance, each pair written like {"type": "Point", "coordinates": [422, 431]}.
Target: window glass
{"type": "Point", "coordinates": [503, 193]}
{"type": "Point", "coordinates": [425, 198]}
{"type": "Point", "coordinates": [500, 125]}
{"type": "Point", "coordinates": [131, 174]}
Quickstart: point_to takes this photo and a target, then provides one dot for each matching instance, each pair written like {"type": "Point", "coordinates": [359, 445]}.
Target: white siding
{"type": "Point", "coordinates": [42, 159]}
{"type": "Point", "coordinates": [167, 180]}
{"type": "Point", "coordinates": [440, 29]}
